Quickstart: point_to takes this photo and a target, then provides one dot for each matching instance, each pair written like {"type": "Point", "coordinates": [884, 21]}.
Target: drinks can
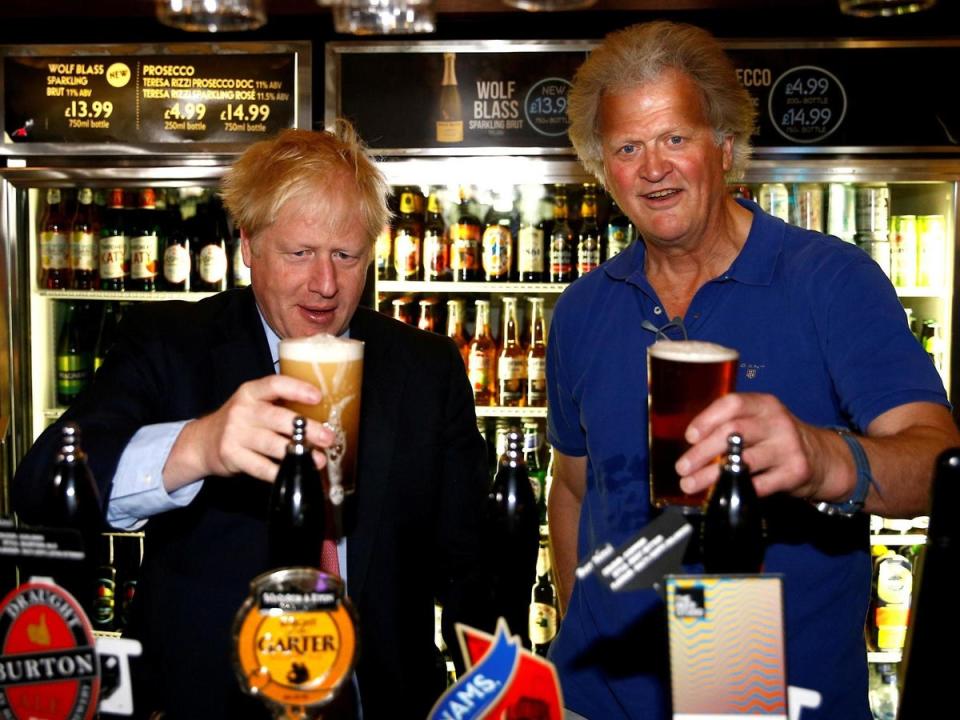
{"type": "Point", "coordinates": [903, 250]}
{"type": "Point", "coordinates": [877, 247]}
{"type": "Point", "coordinates": [931, 250]}
{"type": "Point", "coordinates": [841, 211]}
{"type": "Point", "coordinates": [873, 208]}
{"type": "Point", "coordinates": [775, 199]}
{"type": "Point", "coordinates": [810, 206]}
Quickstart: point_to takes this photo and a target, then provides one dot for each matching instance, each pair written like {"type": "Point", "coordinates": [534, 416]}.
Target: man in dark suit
{"type": "Point", "coordinates": [184, 429]}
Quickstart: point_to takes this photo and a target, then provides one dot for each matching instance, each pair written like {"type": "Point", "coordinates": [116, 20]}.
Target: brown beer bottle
{"type": "Point", "coordinates": [512, 364]}
{"type": "Point", "coordinates": [211, 246]}
{"type": "Point", "coordinates": [561, 241]}
{"type": "Point", "coordinates": [455, 329]}
{"type": "Point", "coordinates": [482, 358]}
{"type": "Point", "coordinates": [407, 238]}
{"type": "Point", "coordinates": [145, 244]}
{"type": "Point", "coordinates": [465, 243]}
{"type": "Point", "coordinates": [83, 242]}
{"type": "Point", "coordinates": [588, 239]}
{"type": "Point", "coordinates": [537, 356]}
{"type": "Point", "coordinates": [296, 520]}
{"type": "Point", "coordinates": [436, 243]}
{"type": "Point", "coordinates": [54, 244]}
{"type": "Point", "coordinates": [114, 248]}
{"type": "Point", "coordinates": [497, 241]}
{"type": "Point", "coordinates": [427, 320]}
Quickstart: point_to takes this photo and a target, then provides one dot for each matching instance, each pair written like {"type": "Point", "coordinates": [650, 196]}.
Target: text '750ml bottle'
{"type": "Point", "coordinates": [296, 523]}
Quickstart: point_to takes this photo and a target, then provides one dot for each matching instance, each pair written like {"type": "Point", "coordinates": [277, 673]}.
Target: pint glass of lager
{"type": "Point", "coordinates": [683, 378]}
{"type": "Point", "coordinates": [335, 366]}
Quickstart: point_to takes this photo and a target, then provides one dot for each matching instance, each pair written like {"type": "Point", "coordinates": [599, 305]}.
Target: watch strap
{"type": "Point", "coordinates": [854, 503]}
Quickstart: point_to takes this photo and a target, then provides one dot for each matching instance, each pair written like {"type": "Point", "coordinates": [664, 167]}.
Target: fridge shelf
{"type": "Point", "coordinates": [888, 656]}
{"type": "Point", "coordinates": [922, 292]}
{"type": "Point", "coordinates": [498, 288]}
{"type": "Point", "coordinates": [898, 540]}
{"type": "Point", "coordinates": [121, 295]}
{"type": "Point", "coordinates": [500, 411]}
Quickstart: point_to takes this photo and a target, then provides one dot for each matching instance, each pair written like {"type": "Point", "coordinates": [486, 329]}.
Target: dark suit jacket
{"type": "Point", "coordinates": [412, 527]}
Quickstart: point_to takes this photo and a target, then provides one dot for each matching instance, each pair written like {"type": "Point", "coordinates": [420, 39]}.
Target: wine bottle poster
{"type": "Point", "coordinates": [726, 646]}
{"type": "Point", "coordinates": [457, 100]}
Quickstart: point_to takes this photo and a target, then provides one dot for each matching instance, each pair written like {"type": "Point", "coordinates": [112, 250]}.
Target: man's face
{"type": "Point", "coordinates": [309, 267]}
{"type": "Point", "coordinates": [661, 160]}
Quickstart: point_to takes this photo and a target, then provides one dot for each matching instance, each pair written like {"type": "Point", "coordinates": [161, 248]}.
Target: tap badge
{"type": "Point", "coordinates": [49, 667]}
{"type": "Point", "coordinates": [503, 681]}
{"type": "Point", "coordinates": [295, 638]}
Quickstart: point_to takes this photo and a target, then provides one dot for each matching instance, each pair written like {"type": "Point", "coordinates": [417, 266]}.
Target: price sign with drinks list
{"type": "Point", "coordinates": [227, 98]}
{"type": "Point", "coordinates": [455, 98]}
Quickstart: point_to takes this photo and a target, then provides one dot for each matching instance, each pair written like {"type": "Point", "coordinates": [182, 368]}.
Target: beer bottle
{"type": "Point", "coordinates": [497, 241]}
{"type": "Point", "coordinates": [400, 309]}
{"type": "Point", "coordinates": [465, 243]}
{"type": "Point", "coordinates": [512, 363]}
{"type": "Point", "coordinates": [536, 469]}
{"type": "Point", "coordinates": [106, 334]}
{"type": "Point", "coordinates": [536, 389]}
{"type": "Point", "coordinates": [427, 320]}
{"type": "Point", "coordinates": [620, 232]}
{"type": "Point", "coordinates": [383, 250]}
{"type": "Point", "coordinates": [73, 502]}
{"type": "Point", "coordinates": [436, 243]}
{"type": "Point", "coordinates": [178, 251]}
{"type": "Point", "coordinates": [210, 242]}
{"type": "Point", "coordinates": [732, 533]}
{"type": "Point", "coordinates": [543, 606]}
{"type": "Point", "coordinates": [890, 602]}
{"type": "Point", "coordinates": [588, 239]}
{"type": "Point", "coordinates": [407, 238]}
{"type": "Point", "coordinates": [296, 522]}
{"type": "Point", "coordinates": [561, 241]}
{"type": "Point", "coordinates": [83, 242]}
{"type": "Point", "coordinates": [54, 244]}
{"type": "Point", "coordinates": [511, 517]}
{"type": "Point", "coordinates": [455, 329]}
{"type": "Point", "coordinates": [530, 255]}
{"type": "Point", "coordinates": [482, 358]}
{"type": "Point", "coordinates": [74, 357]}
{"type": "Point", "coordinates": [145, 244]}
{"type": "Point", "coordinates": [114, 247]}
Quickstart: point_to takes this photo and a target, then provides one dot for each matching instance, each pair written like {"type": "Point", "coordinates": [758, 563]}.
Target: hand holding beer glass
{"type": "Point", "coordinates": [683, 378]}
{"type": "Point", "coordinates": [334, 366]}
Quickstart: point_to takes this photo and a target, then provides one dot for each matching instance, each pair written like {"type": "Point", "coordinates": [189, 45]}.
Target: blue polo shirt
{"type": "Point", "coordinates": [819, 326]}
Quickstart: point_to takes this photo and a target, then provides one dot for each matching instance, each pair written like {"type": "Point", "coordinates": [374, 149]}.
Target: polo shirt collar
{"type": "Point", "coordinates": [754, 265]}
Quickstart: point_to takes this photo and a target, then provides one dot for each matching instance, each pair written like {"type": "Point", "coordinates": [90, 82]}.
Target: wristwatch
{"type": "Point", "coordinates": [854, 503]}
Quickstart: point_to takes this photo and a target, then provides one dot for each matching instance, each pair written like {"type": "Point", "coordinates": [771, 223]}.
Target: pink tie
{"type": "Point", "coordinates": [329, 562]}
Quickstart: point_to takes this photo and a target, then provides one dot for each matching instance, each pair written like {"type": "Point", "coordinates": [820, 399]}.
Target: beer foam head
{"type": "Point", "coordinates": [692, 351]}
{"type": "Point", "coordinates": [321, 347]}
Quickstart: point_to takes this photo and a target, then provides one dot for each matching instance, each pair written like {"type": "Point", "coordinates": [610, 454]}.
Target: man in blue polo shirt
{"type": "Point", "coordinates": [658, 116]}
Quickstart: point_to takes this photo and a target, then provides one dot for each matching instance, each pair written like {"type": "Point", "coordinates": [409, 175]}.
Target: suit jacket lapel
{"type": "Point", "coordinates": [239, 351]}
{"type": "Point", "coordinates": [379, 415]}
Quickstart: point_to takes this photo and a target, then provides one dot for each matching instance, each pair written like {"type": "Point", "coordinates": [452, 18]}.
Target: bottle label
{"type": "Point", "coordinates": [383, 247]}
{"type": "Point", "coordinates": [241, 273]}
{"type": "Point", "coordinates": [83, 251]}
{"type": "Point", "coordinates": [213, 263]}
{"type": "Point", "coordinates": [479, 371]}
{"type": "Point", "coordinates": [616, 241]}
{"type": "Point", "coordinates": [112, 257]}
{"type": "Point", "coordinates": [536, 381]}
{"type": "Point", "coordinates": [436, 257]}
{"type": "Point", "coordinates": [406, 255]}
{"type": "Point", "coordinates": [465, 247]}
{"type": "Point", "coordinates": [543, 623]}
{"type": "Point", "coordinates": [588, 257]}
{"type": "Point", "coordinates": [176, 264]}
{"type": "Point", "coordinates": [497, 249]}
{"type": "Point", "coordinates": [450, 131]}
{"type": "Point", "coordinates": [104, 606]}
{"type": "Point", "coordinates": [511, 368]}
{"type": "Point", "coordinates": [54, 251]}
{"type": "Point", "coordinates": [143, 257]}
{"type": "Point", "coordinates": [73, 374]}
{"type": "Point", "coordinates": [530, 250]}
{"type": "Point", "coordinates": [560, 259]}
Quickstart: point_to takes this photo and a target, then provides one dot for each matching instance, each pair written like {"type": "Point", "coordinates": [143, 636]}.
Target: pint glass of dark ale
{"type": "Point", "coordinates": [683, 378]}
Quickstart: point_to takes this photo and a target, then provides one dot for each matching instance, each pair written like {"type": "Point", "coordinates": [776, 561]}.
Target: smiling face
{"type": "Point", "coordinates": [661, 160]}
{"type": "Point", "coordinates": [308, 267]}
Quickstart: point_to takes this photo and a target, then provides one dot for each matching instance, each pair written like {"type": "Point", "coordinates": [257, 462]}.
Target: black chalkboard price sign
{"type": "Point", "coordinates": [545, 106]}
{"type": "Point", "coordinates": [807, 103]}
